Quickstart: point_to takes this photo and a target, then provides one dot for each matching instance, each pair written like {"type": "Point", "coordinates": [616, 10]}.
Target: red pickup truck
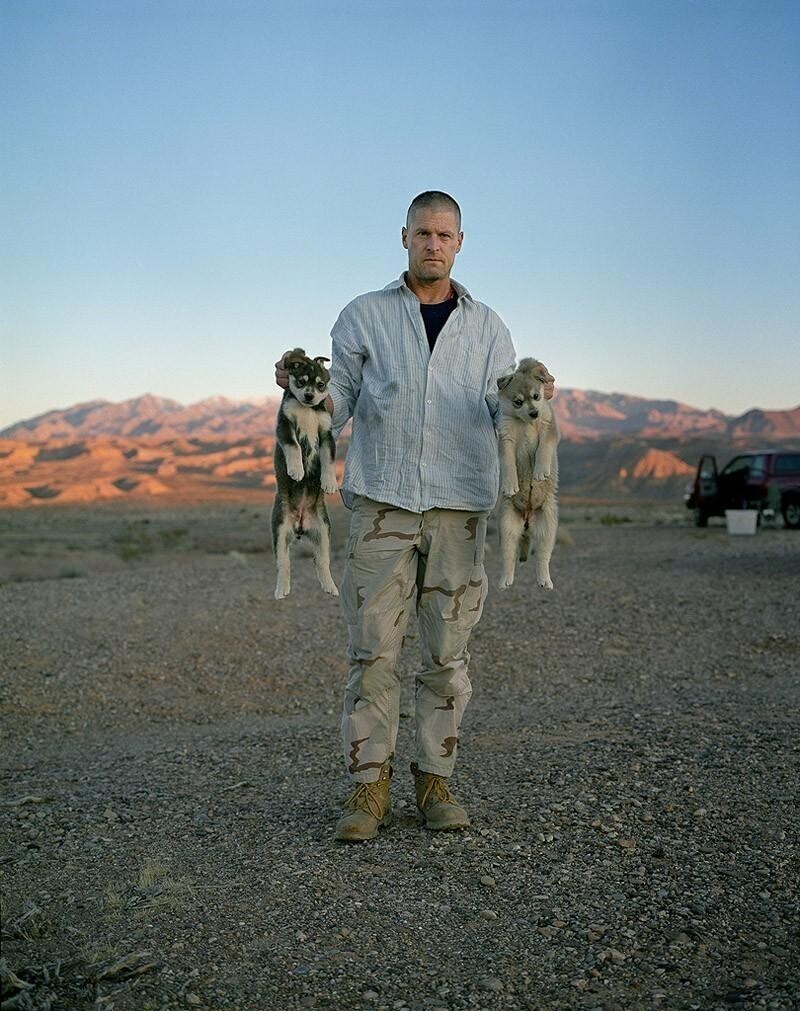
{"type": "Point", "coordinates": [768, 481]}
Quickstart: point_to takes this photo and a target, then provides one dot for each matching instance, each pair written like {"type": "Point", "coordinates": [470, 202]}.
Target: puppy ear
{"type": "Point", "coordinates": [503, 381]}
{"type": "Point", "coordinates": [542, 374]}
{"type": "Point", "coordinates": [320, 359]}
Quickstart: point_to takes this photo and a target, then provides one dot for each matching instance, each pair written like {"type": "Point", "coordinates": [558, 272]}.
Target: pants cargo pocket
{"type": "Point", "coordinates": [474, 598]}
{"type": "Point", "coordinates": [478, 584]}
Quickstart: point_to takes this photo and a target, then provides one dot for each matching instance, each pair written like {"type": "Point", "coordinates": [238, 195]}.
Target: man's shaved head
{"type": "Point", "coordinates": [434, 200]}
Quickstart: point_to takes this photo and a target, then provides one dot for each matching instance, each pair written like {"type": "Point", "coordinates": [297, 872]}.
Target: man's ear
{"type": "Point", "coordinates": [404, 236]}
{"type": "Point", "coordinates": [503, 381]}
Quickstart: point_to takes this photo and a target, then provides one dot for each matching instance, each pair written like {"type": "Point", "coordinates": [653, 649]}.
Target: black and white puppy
{"type": "Point", "coordinates": [304, 469]}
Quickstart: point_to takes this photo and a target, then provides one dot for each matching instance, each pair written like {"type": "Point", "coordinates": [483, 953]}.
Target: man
{"type": "Point", "coordinates": [415, 365]}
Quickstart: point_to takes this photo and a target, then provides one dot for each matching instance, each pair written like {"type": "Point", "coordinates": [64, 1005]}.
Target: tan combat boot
{"type": "Point", "coordinates": [436, 804]}
{"type": "Point", "coordinates": [368, 809]}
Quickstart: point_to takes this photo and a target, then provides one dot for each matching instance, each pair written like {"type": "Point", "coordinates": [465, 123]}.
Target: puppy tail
{"type": "Point", "coordinates": [525, 544]}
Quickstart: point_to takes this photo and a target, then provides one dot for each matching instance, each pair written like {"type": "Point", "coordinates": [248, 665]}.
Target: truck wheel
{"type": "Point", "coordinates": [791, 513]}
{"type": "Point", "coordinates": [700, 518]}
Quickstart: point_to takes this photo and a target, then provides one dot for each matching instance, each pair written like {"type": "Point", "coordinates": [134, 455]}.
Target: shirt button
{"type": "Point", "coordinates": [428, 401]}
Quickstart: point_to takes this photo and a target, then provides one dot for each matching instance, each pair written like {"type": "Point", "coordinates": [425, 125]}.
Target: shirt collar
{"type": "Point", "coordinates": [459, 289]}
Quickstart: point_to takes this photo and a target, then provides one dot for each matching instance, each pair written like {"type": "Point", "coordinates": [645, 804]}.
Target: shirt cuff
{"type": "Point", "coordinates": [341, 414]}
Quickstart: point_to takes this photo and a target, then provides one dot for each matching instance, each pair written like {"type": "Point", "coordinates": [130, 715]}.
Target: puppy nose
{"type": "Point", "coordinates": [309, 397]}
{"type": "Point", "coordinates": [534, 413]}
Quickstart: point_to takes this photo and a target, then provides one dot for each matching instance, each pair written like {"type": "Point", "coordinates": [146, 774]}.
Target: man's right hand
{"type": "Point", "coordinates": [281, 372]}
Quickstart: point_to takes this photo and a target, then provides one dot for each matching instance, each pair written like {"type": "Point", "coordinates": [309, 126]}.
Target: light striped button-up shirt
{"type": "Point", "coordinates": [423, 423]}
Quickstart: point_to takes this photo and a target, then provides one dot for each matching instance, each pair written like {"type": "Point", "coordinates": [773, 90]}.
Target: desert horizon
{"type": "Point", "coordinates": [614, 446]}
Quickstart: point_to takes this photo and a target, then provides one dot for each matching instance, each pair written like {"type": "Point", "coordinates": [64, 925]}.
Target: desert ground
{"type": "Point", "coordinates": [172, 774]}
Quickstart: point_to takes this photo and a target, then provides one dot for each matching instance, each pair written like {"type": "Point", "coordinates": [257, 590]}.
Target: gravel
{"type": "Point", "coordinates": [630, 760]}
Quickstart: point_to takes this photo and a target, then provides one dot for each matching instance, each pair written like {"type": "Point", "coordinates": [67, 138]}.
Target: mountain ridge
{"type": "Point", "coordinates": [581, 413]}
{"type": "Point", "coordinates": [614, 446]}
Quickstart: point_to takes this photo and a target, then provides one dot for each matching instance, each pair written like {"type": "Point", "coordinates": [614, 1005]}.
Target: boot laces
{"type": "Point", "coordinates": [366, 797]}
{"type": "Point", "coordinates": [437, 791]}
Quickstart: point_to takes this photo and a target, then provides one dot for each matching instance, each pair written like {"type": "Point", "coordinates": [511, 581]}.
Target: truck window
{"type": "Point", "coordinates": [738, 463]}
{"type": "Point", "coordinates": [787, 463]}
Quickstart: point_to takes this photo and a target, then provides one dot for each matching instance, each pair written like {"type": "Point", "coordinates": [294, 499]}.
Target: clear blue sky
{"type": "Point", "coordinates": [188, 188]}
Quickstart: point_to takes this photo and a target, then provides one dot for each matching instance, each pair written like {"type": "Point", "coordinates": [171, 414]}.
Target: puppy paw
{"type": "Point", "coordinates": [505, 582]}
{"type": "Point", "coordinates": [509, 490]}
{"type": "Point", "coordinates": [545, 582]}
{"type": "Point", "coordinates": [329, 586]}
{"type": "Point", "coordinates": [540, 475]}
{"type": "Point", "coordinates": [282, 590]}
{"type": "Point", "coordinates": [296, 473]}
{"type": "Point", "coordinates": [329, 486]}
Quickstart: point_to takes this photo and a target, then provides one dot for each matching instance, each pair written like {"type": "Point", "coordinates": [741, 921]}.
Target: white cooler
{"type": "Point", "coordinates": [741, 521]}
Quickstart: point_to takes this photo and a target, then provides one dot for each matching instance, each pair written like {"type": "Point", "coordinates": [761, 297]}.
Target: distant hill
{"type": "Point", "coordinates": [614, 445]}
{"type": "Point", "coordinates": [150, 417]}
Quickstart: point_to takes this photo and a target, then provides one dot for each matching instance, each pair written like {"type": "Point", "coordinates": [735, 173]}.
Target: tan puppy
{"type": "Point", "coordinates": [527, 505]}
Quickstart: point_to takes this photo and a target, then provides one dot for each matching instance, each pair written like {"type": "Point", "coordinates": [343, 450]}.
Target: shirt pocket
{"type": "Point", "coordinates": [386, 385]}
{"type": "Point", "coordinates": [469, 372]}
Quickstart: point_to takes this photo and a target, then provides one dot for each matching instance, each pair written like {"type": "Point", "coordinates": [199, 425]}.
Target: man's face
{"type": "Point", "coordinates": [432, 239]}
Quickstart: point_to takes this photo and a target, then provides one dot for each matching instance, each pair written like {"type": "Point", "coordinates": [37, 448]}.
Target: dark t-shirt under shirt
{"type": "Point", "coordinates": [435, 316]}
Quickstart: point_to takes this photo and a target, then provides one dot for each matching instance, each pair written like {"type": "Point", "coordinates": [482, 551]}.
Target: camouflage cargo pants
{"type": "Point", "coordinates": [398, 560]}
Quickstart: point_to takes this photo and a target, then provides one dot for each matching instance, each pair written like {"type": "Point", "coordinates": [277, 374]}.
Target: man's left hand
{"type": "Point", "coordinates": [549, 388]}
